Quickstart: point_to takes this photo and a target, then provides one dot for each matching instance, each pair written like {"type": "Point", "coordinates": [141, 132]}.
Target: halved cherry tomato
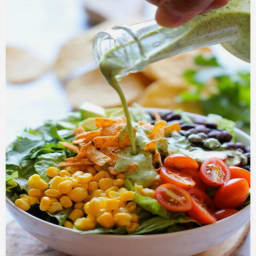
{"type": "Point", "coordinates": [173, 198]}
{"type": "Point", "coordinates": [214, 172]}
{"type": "Point", "coordinates": [180, 162]}
{"type": "Point", "coordinates": [224, 213]}
{"type": "Point", "coordinates": [238, 172]}
{"type": "Point", "coordinates": [202, 207]}
{"type": "Point", "coordinates": [232, 194]}
{"type": "Point", "coordinates": [177, 178]}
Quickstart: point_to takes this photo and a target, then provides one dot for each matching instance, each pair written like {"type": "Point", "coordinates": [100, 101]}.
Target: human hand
{"type": "Point", "coordinates": [173, 13]}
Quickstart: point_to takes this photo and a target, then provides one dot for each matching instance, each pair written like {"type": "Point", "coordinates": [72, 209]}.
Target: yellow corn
{"type": "Point", "coordinates": [97, 193]}
{"type": "Point", "coordinates": [64, 173]}
{"type": "Point", "coordinates": [65, 186]}
{"type": "Point", "coordinates": [122, 190]}
{"type": "Point", "coordinates": [122, 219]}
{"type": "Point", "coordinates": [35, 192]}
{"type": "Point", "coordinates": [106, 220]}
{"type": "Point", "coordinates": [118, 182]}
{"type": "Point", "coordinates": [22, 204]}
{"type": "Point", "coordinates": [66, 202]}
{"type": "Point", "coordinates": [45, 203]}
{"type": "Point", "coordinates": [55, 207]}
{"type": "Point", "coordinates": [30, 199]}
{"type": "Point", "coordinates": [78, 194]}
{"type": "Point", "coordinates": [113, 194]}
{"type": "Point", "coordinates": [85, 178]}
{"type": "Point", "coordinates": [52, 171]}
{"type": "Point", "coordinates": [84, 185]}
{"type": "Point", "coordinates": [100, 175]}
{"type": "Point", "coordinates": [105, 183]}
{"type": "Point", "coordinates": [131, 206]}
{"type": "Point", "coordinates": [112, 204]}
{"type": "Point", "coordinates": [76, 214]}
{"type": "Point", "coordinates": [135, 217]}
{"type": "Point", "coordinates": [77, 173]}
{"type": "Point", "coordinates": [148, 192]}
{"type": "Point", "coordinates": [93, 185]}
{"type": "Point", "coordinates": [85, 223]}
{"type": "Point", "coordinates": [79, 206]}
{"type": "Point", "coordinates": [55, 181]}
{"type": "Point", "coordinates": [95, 206]}
{"type": "Point", "coordinates": [126, 196]}
{"type": "Point", "coordinates": [68, 224]}
{"type": "Point", "coordinates": [35, 181]}
{"type": "Point", "coordinates": [132, 227]}
{"type": "Point", "coordinates": [51, 192]}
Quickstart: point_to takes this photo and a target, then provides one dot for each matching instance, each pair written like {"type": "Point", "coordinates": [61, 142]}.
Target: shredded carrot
{"type": "Point", "coordinates": [70, 146]}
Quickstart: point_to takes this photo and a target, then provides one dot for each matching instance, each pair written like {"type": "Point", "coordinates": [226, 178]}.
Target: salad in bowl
{"type": "Point", "coordinates": [80, 173]}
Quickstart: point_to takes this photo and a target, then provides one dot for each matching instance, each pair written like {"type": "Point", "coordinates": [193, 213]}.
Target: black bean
{"type": "Point", "coordinates": [208, 125]}
{"type": "Point", "coordinates": [214, 134]}
{"type": "Point", "coordinates": [163, 115]}
{"type": "Point", "coordinates": [151, 115]}
{"type": "Point", "coordinates": [224, 136]}
{"type": "Point", "coordinates": [248, 155]}
{"type": "Point", "coordinates": [238, 145]}
{"type": "Point", "coordinates": [192, 131]}
{"type": "Point", "coordinates": [247, 149]}
{"type": "Point", "coordinates": [187, 126]}
{"type": "Point", "coordinates": [171, 116]}
{"type": "Point", "coordinates": [199, 120]}
{"type": "Point", "coordinates": [184, 133]}
{"type": "Point", "coordinates": [201, 128]}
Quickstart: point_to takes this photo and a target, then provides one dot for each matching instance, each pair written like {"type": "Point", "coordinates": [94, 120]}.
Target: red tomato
{"type": "Point", "coordinates": [237, 172]}
{"type": "Point", "coordinates": [173, 198]}
{"type": "Point", "coordinates": [232, 194]}
{"type": "Point", "coordinates": [180, 162]}
{"type": "Point", "coordinates": [224, 213]}
{"type": "Point", "coordinates": [202, 207]}
{"type": "Point", "coordinates": [214, 172]}
{"type": "Point", "coordinates": [177, 178]}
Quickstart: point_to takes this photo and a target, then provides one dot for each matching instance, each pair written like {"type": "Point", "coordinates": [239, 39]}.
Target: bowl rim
{"type": "Point", "coordinates": [201, 228]}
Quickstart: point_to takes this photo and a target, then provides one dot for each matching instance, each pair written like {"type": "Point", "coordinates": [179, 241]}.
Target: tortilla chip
{"type": "Point", "coordinates": [171, 70]}
{"type": "Point", "coordinates": [88, 136]}
{"type": "Point", "coordinates": [175, 126]}
{"type": "Point", "coordinates": [156, 132]}
{"type": "Point", "coordinates": [91, 87]}
{"type": "Point", "coordinates": [22, 66]}
{"type": "Point", "coordinates": [104, 122]}
{"type": "Point", "coordinates": [69, 146]}
{"type": "Point", "coordinates": [161, 95]}
{"type": "Point", "coordinates": [105, 141]}
{"type": "Point", "coordinates": [151, 146]}
{"type": "Point", "coordinates": [96, 156]}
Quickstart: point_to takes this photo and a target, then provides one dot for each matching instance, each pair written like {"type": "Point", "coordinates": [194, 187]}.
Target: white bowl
{"type": "Point", "coordinates": [183, 243]}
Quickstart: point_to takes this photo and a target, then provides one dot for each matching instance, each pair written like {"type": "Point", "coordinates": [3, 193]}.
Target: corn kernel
{"type": "Point", "coordinates": [75, 182]}
{"type": "Point", "coordinates": [51, 192]}
{"type": "Point", "coordinates": [100, 175]}
{"type": "Point", "coordinates": [64, 173]}
{"type": "Point", "coordinates": [123, 219]}
{"type": "Point", "coordinates": [55, 181]}
{"type": "Point", "coordinates": [52, 171]}
{"type": "Point", "coordinates": [126, 196]}
{"type": "Point", "coordinates": [68, 224]}
{"type": "Point", "coordinates": [77, 173]}
{"type": "Point", "coordinates": [45, 203]}
{"type": "Point", "coordinates": [95, 206]}
{"type": "Point", "coordinates": [35, 192]}
{"type": "Point", "coordinates": [122, 190]}
{"type": "Point", "coordinates": [135, 217]}
{"type": "Point", "coordinates": [65, 186]}
{"type": "Point", "coordinates": [71, 169]}
{"type": "Point", "coordinates": [105, 183]}
{"type": "Point", "coordinates": [76, 214]}
{"type": "Point", "coordinates": [121, 176]}
{"type": "Point", "coordinates": [93, 185]}
{"type": "Point", "coordinates": [112, 204]}
{"type": "Point", "coordinates": [85, 223]}
{"type": "Point", "coordinates": [84, 185]}
{"type": "Point", "coordinates": [66, 202]}
{"type": "Point", "coordinates": [55, 207]}
{"type": "Point", "coordinates": [22, 204]}
{"type": "Point", "coordinates": [35, 181]}
{"type": "Point", "coordinates": [118, 182]}
{"type": "Point", "coordinates": [91, 170]}
{"type": "Point", "coordinates": [53, 199]}
{"type": "Point", "coordinates": [131, 206]}
{"type": "Point", "coordinates": [30, 199]}
{"type": "Point", "coordinates": [97, 193]}
{"type": "Point", "coordinates": [106, 220]}
{"type": "Point", "coordinates": [79, 205]}
{"type": "Point", "coordinates": [78, 194]}
{"type": "Point", "coordinates": [148, 192]}
{"type": "Point", "coordinates": [132, 227]}
{"type": "Point", "coordinates": [113, 194]}
{"type": "Point", "coordinates": [85, 178]}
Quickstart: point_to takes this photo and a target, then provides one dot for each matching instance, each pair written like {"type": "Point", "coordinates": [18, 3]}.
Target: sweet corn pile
{"type": "Point", "coordinates": [94, 197]}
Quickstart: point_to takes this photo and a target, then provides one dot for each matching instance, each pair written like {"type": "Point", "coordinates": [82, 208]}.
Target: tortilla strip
{"type": "Point", "coordinates": [69, 146]}
{"type": "Point", "coordinates": [96, 156]}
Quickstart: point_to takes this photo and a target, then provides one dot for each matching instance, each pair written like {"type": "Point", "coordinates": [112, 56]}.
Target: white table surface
{"type": "Point", "coordinates": [42, 26]}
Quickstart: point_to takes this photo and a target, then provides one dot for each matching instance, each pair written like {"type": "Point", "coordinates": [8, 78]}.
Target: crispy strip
{"type": "Point", "coordinates": [105, 141]}
{"type": "Point", "coordinates": [78, 130]}
{"type": "Point", "coordinates": [70, 146]}
{"type": "Point", "coordinates": [96, 156]}
{"type": "Point", "coordinates": [175, 126]}
{"type": "Point", "coordinates": [81, 162]}
{"type": "Point", "coordinates": [151, 146]}
{"type": "Point", "coordinates": [87, 136]}
{"type": "Point", "coordinates": [113, 129]}
{"type": "Point", "coordinates": [104, 122]}
{"type": "Point", "coordinates": [157, 127]}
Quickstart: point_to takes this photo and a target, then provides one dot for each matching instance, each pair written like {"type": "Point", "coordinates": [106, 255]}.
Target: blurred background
{"type": "Point", "coordinates": [51, 71]}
